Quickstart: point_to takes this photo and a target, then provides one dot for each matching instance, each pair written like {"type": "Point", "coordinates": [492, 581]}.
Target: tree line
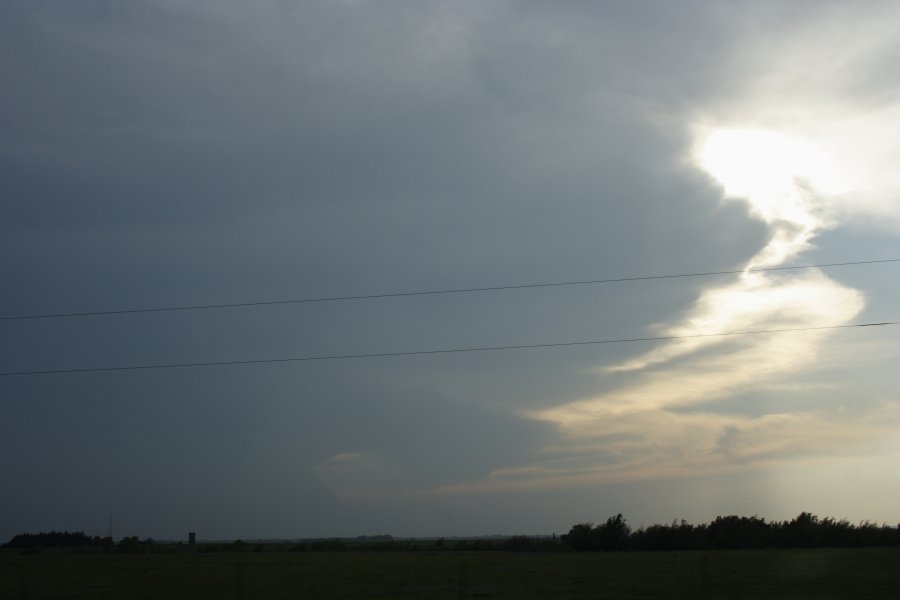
{"type": "Point", "coordinates": [731, 532]}
{"type": "Point", "coordinates": [614, 535]}
{"type": "Point", "coordinates": [52, 539]}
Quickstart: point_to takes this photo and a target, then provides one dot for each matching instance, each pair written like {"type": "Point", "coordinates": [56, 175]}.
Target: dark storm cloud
{"type": "Point", "coordinates": [163, 153]}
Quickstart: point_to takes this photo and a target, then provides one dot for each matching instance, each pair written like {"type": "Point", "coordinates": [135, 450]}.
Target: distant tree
{"type": "Point", "coordinates": [610, 536]}
{"type": "Point", "coordinates": [613, 535]}
{"type": "Point", "coordinates": [801, 532]}
{"type": "Point", "coordinates": [677, 536]}
{"type": "Point", "coordinates": [51, 539]}
{"type": "Point", "coordinates": [734, 532]}
{"type": "Point", "coordinates": [804, 531]}
{"type": "Point", "coordinates": [582, 537]}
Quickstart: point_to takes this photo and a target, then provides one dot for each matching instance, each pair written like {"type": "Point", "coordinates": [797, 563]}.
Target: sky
{"type": "Point", "coordinates": [164, 154]}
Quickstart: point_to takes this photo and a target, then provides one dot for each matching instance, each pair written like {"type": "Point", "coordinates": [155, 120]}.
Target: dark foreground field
{"type": "Point", "coordinates": [820, 573]}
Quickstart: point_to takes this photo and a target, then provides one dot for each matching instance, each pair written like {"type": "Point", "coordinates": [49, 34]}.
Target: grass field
{"type": "Point", "coordinates": [820, 573]}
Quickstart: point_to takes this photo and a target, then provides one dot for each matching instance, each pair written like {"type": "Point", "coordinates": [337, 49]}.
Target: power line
{"type": "Point", "coordinates": [426, 292]}
{"type": "Point", "coordinates": [438, 351]}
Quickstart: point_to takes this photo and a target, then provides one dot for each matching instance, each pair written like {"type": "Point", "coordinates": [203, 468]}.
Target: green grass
{"type": "Point", "coordinates": [820, 573]}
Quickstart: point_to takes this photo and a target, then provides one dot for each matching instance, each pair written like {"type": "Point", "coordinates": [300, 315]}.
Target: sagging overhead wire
{"type": "Point", "coordinates": [438, 351]}
{"type": "Point", "coordinates": [155, 309]}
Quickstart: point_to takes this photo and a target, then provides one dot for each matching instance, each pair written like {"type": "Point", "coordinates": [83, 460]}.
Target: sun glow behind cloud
{"type": "Point", "coordinates": [780, 178]}
{"type": "Point", "coordinates": [803, 159]}
{"type": "Point", "coordinates": [668, 420]}
{"type": "Point", "coordinates": [664, 421]}
{"type": "Point", "coordinates": [762, 166]}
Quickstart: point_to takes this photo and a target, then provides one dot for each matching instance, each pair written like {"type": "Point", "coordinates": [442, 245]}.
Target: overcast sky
{"type": "Point", "coordinates": [157, 154]}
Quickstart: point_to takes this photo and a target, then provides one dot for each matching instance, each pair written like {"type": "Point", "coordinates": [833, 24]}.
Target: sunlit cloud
{"type": "Point", "coordinates": [728, 371]}
{"type": "Point", "coordinates": [683, 373]}
{"type": "Point", "coordinates": [781, 179]}
{"type": "Point", "coordinates": [832, 103]}
{"type": "Point", "coordinates": [786, 183]}
{"type": "Point", "coordinates": [665, 444]}
{"type": "Point", "coordinates": [802, 163]}
{"type": "Point", "coordinates": [755, 302]}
